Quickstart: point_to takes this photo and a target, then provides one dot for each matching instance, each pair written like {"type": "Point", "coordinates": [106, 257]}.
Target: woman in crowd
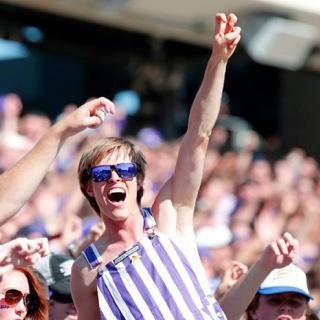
{"type": "Point", "coordinates": [22, 296]}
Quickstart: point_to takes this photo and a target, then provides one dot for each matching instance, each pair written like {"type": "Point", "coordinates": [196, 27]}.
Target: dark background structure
{"type": "Point", "coordinates": [78, 59]}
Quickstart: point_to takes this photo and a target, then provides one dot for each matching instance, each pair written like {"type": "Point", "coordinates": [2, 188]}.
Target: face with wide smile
{"type": "Point", "coordinates": [116, 197]}
{"type": "Point", "coordinates": [285, 306]}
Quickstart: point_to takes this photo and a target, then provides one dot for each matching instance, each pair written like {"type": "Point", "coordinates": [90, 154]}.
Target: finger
{"type": "Point", "coordinates": [234, 43]}
{"type": "Point", "coordinates": [99, 109]}
{"type": "Point", "coordinates": [220, 23]}
{"type": "Point", "coordinates": [101, 102]}
{"type": "Point", "coordinates": [29, 246]}
{"type": "Point", "coordinates": [231, 22]}
{"type": "Point", "coordinates": [292, 248]}
{"type": "Point", "coordinates": [44, 247]}
{"type": "Point", "coordinates": [233, 35]}
{"type": "Point", "coordinates": [21, 246]}
{"type": "Point", "coordinates": [292, 243]}
{"type": "Point", "coordinates": [107, 105]}
{"type": "Point", "coordinates": [287, 236]}
{"type": "Point", "coordinates": [275, 249]}
{"type": "Point", "coordinates": [283, 246]}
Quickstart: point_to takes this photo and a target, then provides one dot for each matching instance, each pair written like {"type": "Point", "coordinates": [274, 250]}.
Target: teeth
{"type": "Point", "coordinates": [114, 190]}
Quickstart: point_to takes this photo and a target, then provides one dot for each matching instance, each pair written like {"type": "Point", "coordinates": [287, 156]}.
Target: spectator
{"type": "Point", "coordinates": [56, 270]}
{"type": "Point", "coordinates": [284, 294]}
{"type": "Point", "coordinates": [111, 175]}
{"type": "Point", "coordinates": [22, 295]}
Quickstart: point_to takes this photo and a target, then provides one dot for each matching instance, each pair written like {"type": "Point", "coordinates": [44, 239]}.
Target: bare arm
{"type": "Point", "coordinates": [19, 182]}
{"type": "Point", "coordinates": [277, 255]}
{"type": "Point", "coordinates": [174, 206]}
{"type": "Point", "coordinates": [82, 282]}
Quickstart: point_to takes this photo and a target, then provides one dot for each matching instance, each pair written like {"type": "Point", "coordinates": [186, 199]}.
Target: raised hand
{"type": "Point", "coordinates": [23, 251]}
{"type": "Point", "coordinates": [227, 35]}
{"type": "Point", "coordinates": [230, 277]}
{"type": "Point", "coordinates": [89, 115]}
{"type": "Point", "coordinates": [280, 253]}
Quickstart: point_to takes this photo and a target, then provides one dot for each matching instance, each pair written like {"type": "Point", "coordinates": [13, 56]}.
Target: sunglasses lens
{"type": "Point", "coordinates": [101, 173]}
{"type": "Point", "coordinates": [28, 300]}
{"type": "Point", "coordinates": [126, 170]}
{"type": "Point", "coordinates": [13, 296]}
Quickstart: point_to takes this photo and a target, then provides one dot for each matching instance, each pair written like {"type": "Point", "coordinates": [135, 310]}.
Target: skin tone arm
{"type": "Point", "coordinates": [174, 206]}
{"type": "Point", "coordinates": [83, 289]}
{"type": "Point", "coordinates": [277, 255]}
{"type": "Point", "coordinates": [19, 182]}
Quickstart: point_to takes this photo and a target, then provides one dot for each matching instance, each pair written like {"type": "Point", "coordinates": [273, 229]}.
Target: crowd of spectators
{"type": "Point", "coordinates": [245, 201]}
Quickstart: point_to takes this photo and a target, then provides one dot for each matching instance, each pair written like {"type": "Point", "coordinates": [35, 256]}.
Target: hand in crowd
{"type": "Point", "coordinates": [230, 277]}
{"type": "Point", "coordinates": [95, 232]}
{"type": "Point", "coordinates": [91, 114]}
{"type": "Point", "coordinates": [12, 106]}
{"type": "Point", "coordinates": [227, 35]}
{"type": "Point", "coordinates": [233, 274]}
{"type": "Point", "coordinates": [279, 253]}
{"type": "Point", "coordinates": [23, 251]}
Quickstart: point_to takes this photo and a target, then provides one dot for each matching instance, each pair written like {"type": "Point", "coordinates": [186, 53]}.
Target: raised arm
{"type": "Point", "coordinates": [176, 200]}
{"type": "Point", "coordinates": [277, 255]}
{"type": "Point", "coordinates": [19, 182]}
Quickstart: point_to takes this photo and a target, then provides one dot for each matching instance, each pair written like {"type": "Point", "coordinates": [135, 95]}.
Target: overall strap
{"type": "Point", "coordinates": [148, 220]}
{"type": "Point", "coordinates": [92, 256]}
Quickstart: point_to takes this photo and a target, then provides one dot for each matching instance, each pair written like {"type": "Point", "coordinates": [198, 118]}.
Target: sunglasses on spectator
{"type": "Point", "coordinates": [125, 171]}
{"type": "Point", "coordinates": [12, 297]}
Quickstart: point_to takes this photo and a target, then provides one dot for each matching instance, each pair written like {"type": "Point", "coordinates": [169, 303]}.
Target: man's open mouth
{"type": "Point", "coordinates": [117, 195]}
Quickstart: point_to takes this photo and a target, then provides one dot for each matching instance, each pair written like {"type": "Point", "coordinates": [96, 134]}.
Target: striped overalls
{"type": "Point", "coordinates": [151, 280]}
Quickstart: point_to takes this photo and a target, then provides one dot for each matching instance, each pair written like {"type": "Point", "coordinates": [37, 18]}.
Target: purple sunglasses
{"type": "Point", "coordinates": [125, 171]}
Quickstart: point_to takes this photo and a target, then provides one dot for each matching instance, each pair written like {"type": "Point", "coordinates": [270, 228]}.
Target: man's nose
{"type": "Point", "coordinates": [114, 176]}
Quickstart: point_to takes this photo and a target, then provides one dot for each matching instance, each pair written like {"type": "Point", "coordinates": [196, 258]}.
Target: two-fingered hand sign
{"type": "Point", "coordinates": [227, 35]}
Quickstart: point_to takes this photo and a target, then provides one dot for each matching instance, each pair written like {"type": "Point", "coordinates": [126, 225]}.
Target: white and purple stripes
{"type": "Point", "coordinates": [154, 281]}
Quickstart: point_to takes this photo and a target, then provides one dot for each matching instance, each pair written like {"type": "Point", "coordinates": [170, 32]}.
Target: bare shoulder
{"type": "Point", "coordinates": [82, 275]}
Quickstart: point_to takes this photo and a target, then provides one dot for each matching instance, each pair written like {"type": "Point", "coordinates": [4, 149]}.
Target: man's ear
{"type": "Point", "coordinates": [89, 189]}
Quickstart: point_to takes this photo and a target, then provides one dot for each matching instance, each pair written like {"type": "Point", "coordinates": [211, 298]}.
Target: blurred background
{"type": "Point", "coordinates": [56, 52]}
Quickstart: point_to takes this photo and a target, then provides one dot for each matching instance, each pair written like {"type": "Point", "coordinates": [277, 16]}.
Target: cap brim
{"type": "Point", "coordinates": [58, 297]}
{"type": "Point", "coordinates": [62, 286]}
{"type": "Point", "coordinates": [284, 289]}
